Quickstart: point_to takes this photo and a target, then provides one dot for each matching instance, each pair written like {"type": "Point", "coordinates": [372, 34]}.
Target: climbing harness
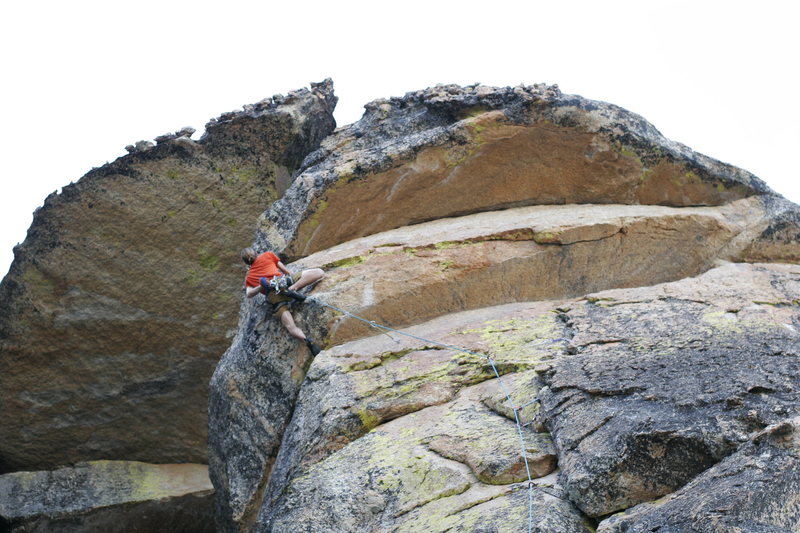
{"type": "Point", "coordinates": [279, 284]}
{"type": "Point", "coordinates": [505, 389]}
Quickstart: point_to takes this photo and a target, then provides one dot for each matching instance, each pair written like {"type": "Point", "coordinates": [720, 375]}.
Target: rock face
{"type": "Point", "coordinates": [621, 312]}
{"type": "Point", "coordinates": [683, 373]}
{"type": "Point", "coordinates": [108, 496]}
{"type": "Point", "coordinates": [412, 434]}
{"type": "Point", "coordinates": [119, 302]}
{"type": "Point", "coordinates": [755, 489]}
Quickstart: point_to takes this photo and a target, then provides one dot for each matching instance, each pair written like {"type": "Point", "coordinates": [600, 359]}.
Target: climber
{"type": "Point", "coordinates": [268, 275]}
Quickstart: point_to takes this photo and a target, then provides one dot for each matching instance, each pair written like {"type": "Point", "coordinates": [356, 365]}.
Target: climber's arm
{"type": "Point", "coordinates": [252, 291]}
{"type": "Point", "coordinates": [283, 268]}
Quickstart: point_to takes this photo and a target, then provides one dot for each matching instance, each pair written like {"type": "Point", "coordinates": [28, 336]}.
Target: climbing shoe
{"type": "Point", "coordinates": [294, 294]}
{"type": "Point", "coordinates": [313, 348]}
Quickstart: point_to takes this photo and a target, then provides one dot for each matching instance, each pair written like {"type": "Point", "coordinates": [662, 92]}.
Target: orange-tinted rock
{"type": "Point", "coordinates": [411, 274]}
{"type": "Point", "coordinates": [451, 151]}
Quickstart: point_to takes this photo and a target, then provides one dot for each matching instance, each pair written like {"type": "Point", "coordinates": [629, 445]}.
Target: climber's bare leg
{"type": "Point", "coordinates": [307, 277]}
{"type": "Point", "coordinates": [288, 322]}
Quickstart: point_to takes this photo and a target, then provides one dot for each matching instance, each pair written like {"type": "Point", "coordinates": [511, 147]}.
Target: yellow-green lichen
{"type": "Point", "coordinates": [446, 245]}
{"type": "Point", "coordinates": [450, 514]}
{"type": "Point", "coordinates": [382, 358]}
{"type": "Point", "coordinates": [34, 279]}
{"type": "Point", "coordinates": [546, 237]}
{"type": "Point", "coordinates": [368, 419]}
{"type": "Point", "coordinates": [472, 112]}
{"type": "Point", "coordinates": [510, 339]}
{"type": "Point", "coordinates": [193, 277]}
{"type": "Point", "coordinates": [729, 322]}
{"type": "Point", "coordinates": [347, 262]}
{"type": "Point", "coordinates": [364, 365]}
{"type": "Point", "coordinates": [208, 261]}
{"type": "Point", "coordinates": [595, 299]}
{"type": "Point", "coordinates": [246, 174]}
{"type": "Point", "coordinates": [145, 483]}
{"type": "Point", "coordinates": [519, 235]}
{"type": "Point", "coordinates": [629, 152]}
{"type": "Point", "coordinates": [687, 178]}
{"type": "Point", "coordinates": [314, 220]}
{"type": "Point", "coordinates": [445, 265]}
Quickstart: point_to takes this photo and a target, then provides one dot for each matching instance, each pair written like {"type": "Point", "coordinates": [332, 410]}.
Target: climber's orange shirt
{"type": "Point", "coordinates": [265, 266]}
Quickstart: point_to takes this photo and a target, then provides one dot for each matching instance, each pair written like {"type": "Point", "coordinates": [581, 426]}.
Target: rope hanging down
{"type": "Point", "coordinates": [506, 391]}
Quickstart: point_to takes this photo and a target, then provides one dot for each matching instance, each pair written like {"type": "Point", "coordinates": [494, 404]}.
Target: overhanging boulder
{"type": "Point", "coordinates": [450, 151]}
{"type": "Point", "coordinates": [121, 299]}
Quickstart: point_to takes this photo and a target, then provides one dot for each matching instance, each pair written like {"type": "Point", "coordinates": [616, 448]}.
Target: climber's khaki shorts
{"type": "Point", "coordinates": [280, 303]}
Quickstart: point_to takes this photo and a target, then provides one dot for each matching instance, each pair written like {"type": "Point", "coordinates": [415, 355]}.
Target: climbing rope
{"type": "Point", "coordinates": [505, 389]}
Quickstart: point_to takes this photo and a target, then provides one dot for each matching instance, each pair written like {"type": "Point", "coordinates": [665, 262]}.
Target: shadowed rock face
{"type": "Point", "coordinates": [120, 301]}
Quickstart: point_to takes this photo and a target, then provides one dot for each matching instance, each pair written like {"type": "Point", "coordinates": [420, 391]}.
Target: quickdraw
{"type": "Point", "coordinates": [280, 284]}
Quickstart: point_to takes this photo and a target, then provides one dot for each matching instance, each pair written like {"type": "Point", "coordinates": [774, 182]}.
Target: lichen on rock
{"type": "Point", "coordinates": [502, 268]}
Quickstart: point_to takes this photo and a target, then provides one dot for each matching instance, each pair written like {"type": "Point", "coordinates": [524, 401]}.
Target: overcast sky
{"type": "Point", "coordinates": [82, 79]}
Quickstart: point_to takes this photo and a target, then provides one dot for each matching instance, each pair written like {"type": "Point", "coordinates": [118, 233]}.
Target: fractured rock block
{"type": "Point", "coordinates": [753, 489]}
{"type": "Point", "coordinates": [109, 496]}
{"type": "Point", "coordinates": [666, 381]}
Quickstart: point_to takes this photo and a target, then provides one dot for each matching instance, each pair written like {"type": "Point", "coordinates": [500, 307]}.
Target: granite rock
{"type": "Point", "coordinates": [754, 489]}
{"type": "Point", "coordinates": [469, 262]}
{"type": "Point", "coordinates": [369, 208]}
{"type": "Point", "coordinates": [664, 382]}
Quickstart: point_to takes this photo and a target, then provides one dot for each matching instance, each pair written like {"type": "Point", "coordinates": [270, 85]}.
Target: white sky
{"type": "Point", "coordinates": [82, 79]}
